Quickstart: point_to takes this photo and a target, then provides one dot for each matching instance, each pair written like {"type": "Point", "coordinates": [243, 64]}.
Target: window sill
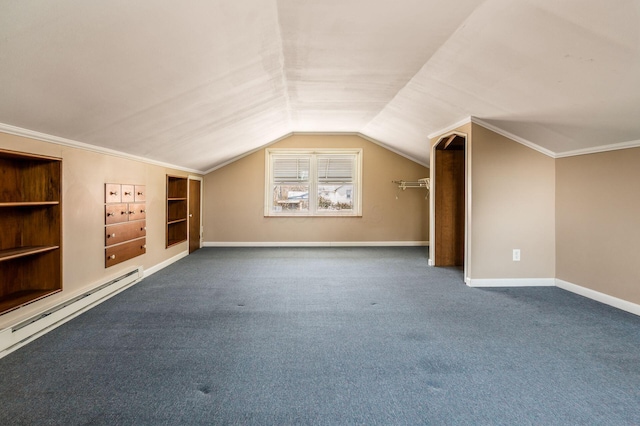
{"type": "Point", "coordinates": [313, 215]}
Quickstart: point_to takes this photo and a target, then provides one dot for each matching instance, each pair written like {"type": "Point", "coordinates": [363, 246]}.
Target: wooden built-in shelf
{"type": "Point", "coordinates": [30, 203]}
{"type": "Point", "coordinates": [21, 298]}
{"type": "Point", "coordinates": [30, 228]}
{"type": "Point", "coordinates": [14, 253]}
{"type": "Point", "coordinates": [177, 188]}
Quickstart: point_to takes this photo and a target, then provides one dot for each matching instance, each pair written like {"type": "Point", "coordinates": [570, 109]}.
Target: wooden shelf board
{"type": "Point", "coordinates": [21, 298]}
{"type": "Point", "coordinates": [171, 222]}
{"type": "Point", "coordinates": [177, 199]}
{"type": "Point", "coordinates": [29, 203]}
{"type": "Point", "coordinates": [15, 155]}
{"type": "Point", "coordinates": [17, 252]}
{"type": "Point", "coordinates": [174, 242]}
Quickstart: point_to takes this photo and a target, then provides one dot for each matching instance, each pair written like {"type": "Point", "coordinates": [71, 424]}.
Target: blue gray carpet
{"type": "Point", "coordinates": [328, 336]}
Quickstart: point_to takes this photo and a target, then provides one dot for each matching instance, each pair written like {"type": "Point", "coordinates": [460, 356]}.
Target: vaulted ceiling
{"type": "Point", "coordinates": [197, 83]}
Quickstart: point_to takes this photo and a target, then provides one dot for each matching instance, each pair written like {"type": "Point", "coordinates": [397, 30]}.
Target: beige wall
{"type": "Point", "coordinates": [513, 207]}
{"type": "Point", "coordinates": [573, 218]}
{"type": "Point", "coordinates": [598, 222]}
{"type": "Point", "coordinates": [234, 200]}
{"type": "Point", "coordinates": [84, 174]}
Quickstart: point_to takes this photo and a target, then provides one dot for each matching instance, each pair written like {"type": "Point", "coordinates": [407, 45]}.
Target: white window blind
{"type": "Point", "coordinates": [336, 168]}
{"type": "Point", "coordinates": [313, 182]}
{"type": "Point", "coordinates": [288, 169]}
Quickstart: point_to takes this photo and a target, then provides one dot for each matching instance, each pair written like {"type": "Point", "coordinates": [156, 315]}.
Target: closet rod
{"type": "Point", "coordinates": [420, 183]}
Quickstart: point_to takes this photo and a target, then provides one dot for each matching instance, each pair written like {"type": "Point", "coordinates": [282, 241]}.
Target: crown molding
{"type": "Point", "coordinates": [367, 138]}
{"type": "Point", "coordinates": [513, 137]}
{"type": "Point", "coordinates": [19, 131]}
{"type": "Point", "coordinates": [600, 148]}
{"type": "Point", "coordinates": [361, 135]}
{"type": "Point", "coordinates": [395, 151]}
{"type": "Point", "coordinates": [246, 154]}
{"type": "Point", "coordinates": [552, 154]}
{"type": "Point", "coordinates": [495, 129]}
{"type": "Point", "coordinates": [534, 146]}
{"type": "Point", "coordinates": [450, 128]}
{"type": "Point", "coordinates": [306, 133]}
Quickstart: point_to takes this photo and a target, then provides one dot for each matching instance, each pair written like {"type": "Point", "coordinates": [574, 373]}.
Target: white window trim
{"type": "Point", "coordinates": [357, 197]}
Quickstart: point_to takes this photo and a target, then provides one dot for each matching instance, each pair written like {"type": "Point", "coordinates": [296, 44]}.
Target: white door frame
{"type": "Point", "coordinates": [467, 203]}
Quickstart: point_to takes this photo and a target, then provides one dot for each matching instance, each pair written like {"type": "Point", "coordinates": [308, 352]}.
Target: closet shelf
{"type": "Point", "coordinates": [21, 298]}
{"type": "Point", "coordinates": [30, 228]}
{"type": "Point", "coordinates": [28, 203]}
{"type": "Point", "coordinates": [177, 207]}
{"type": "Point", "coordinates": [171, 222]}
{"type": "Point", "coordinates": [17, 252]}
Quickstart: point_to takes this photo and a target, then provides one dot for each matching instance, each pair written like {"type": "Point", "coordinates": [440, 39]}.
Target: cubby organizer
{"type": "Point", "coordinates": [125, 222]}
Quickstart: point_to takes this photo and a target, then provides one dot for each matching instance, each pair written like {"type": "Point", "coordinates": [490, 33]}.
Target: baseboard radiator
{"type": "Point", "coordinates": [20, 334]}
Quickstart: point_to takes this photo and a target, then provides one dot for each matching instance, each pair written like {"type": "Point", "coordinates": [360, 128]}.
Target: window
{"type": "Point", "coordinates": [313, 182]}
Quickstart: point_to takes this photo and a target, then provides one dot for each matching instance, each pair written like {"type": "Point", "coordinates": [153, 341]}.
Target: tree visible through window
{"type": "Point", "coordinates": [325, 183]}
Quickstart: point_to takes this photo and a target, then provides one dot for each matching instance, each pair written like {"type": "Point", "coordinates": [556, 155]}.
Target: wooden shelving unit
{"type": "Point", "coordinates": [176, 209]}
{"type": "Point", "coordinates": [30, 228]}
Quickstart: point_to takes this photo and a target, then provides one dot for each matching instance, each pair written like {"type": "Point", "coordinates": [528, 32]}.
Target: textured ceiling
{"type": "Point", "coordinates": [198, 83]}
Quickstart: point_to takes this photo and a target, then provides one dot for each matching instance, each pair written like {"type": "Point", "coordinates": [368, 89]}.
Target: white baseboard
{"type": "Point", "coordinates": [26, 331]}
{"type": "Point", "coordinates": [511, 282]}
{"type": "Point", "coordinates": [315, 244]}
{"type": "Point", "coordinates": [166, 263]}
{"type": "Point", "coordinates": [599, 297]}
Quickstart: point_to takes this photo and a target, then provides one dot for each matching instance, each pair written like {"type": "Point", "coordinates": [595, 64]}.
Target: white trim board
{"type": "Point", "coordinates": [389, 148]}
{"type": "Point", "coordinates": [164, 264]}
{"type": "Point", "coordinates": [18, 131]}
{"type": "Point", "coordinates": [534, 146]}
{"type": "Point", "coordinates": [316, 243]}
{"type": "Point", "coordinates": [361, 135]}
{"type": "Point", "coordinates": [11, 340]}
{"type": "Point", "coordinates": [510, 282]}
{"type": "Point", "coordinates": [449, 128]}
{"type": "Point", "coordinates": [495, 129]}
{"type": "Point", "coordinates": [513, 137]}
{"type": "Point", "coordinates": [599, 297]}
{"type": "Point", "coordinates": [598, 149]}
{"type": "Point", "coordinates": [39, 324]}
{"type": "Point", "coordinates": [367, 138]}
{"type": "Point", "coordinates": [246, 154]}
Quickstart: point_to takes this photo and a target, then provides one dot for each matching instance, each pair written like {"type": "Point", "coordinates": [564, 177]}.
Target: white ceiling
{"type": "Point", "coordinates": [197, 83]}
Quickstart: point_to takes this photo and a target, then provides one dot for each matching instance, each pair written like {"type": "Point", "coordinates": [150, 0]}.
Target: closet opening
{"type": "Point", "coordinates": [449, 200]}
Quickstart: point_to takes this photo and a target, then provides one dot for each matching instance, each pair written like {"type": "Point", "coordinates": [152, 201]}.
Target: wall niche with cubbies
{"type": "Point", "coordinates": [125, 228]}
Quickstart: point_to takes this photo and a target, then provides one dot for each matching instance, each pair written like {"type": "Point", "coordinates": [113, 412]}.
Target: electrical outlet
{"type": "Point", "coordinates": [516, 255]}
